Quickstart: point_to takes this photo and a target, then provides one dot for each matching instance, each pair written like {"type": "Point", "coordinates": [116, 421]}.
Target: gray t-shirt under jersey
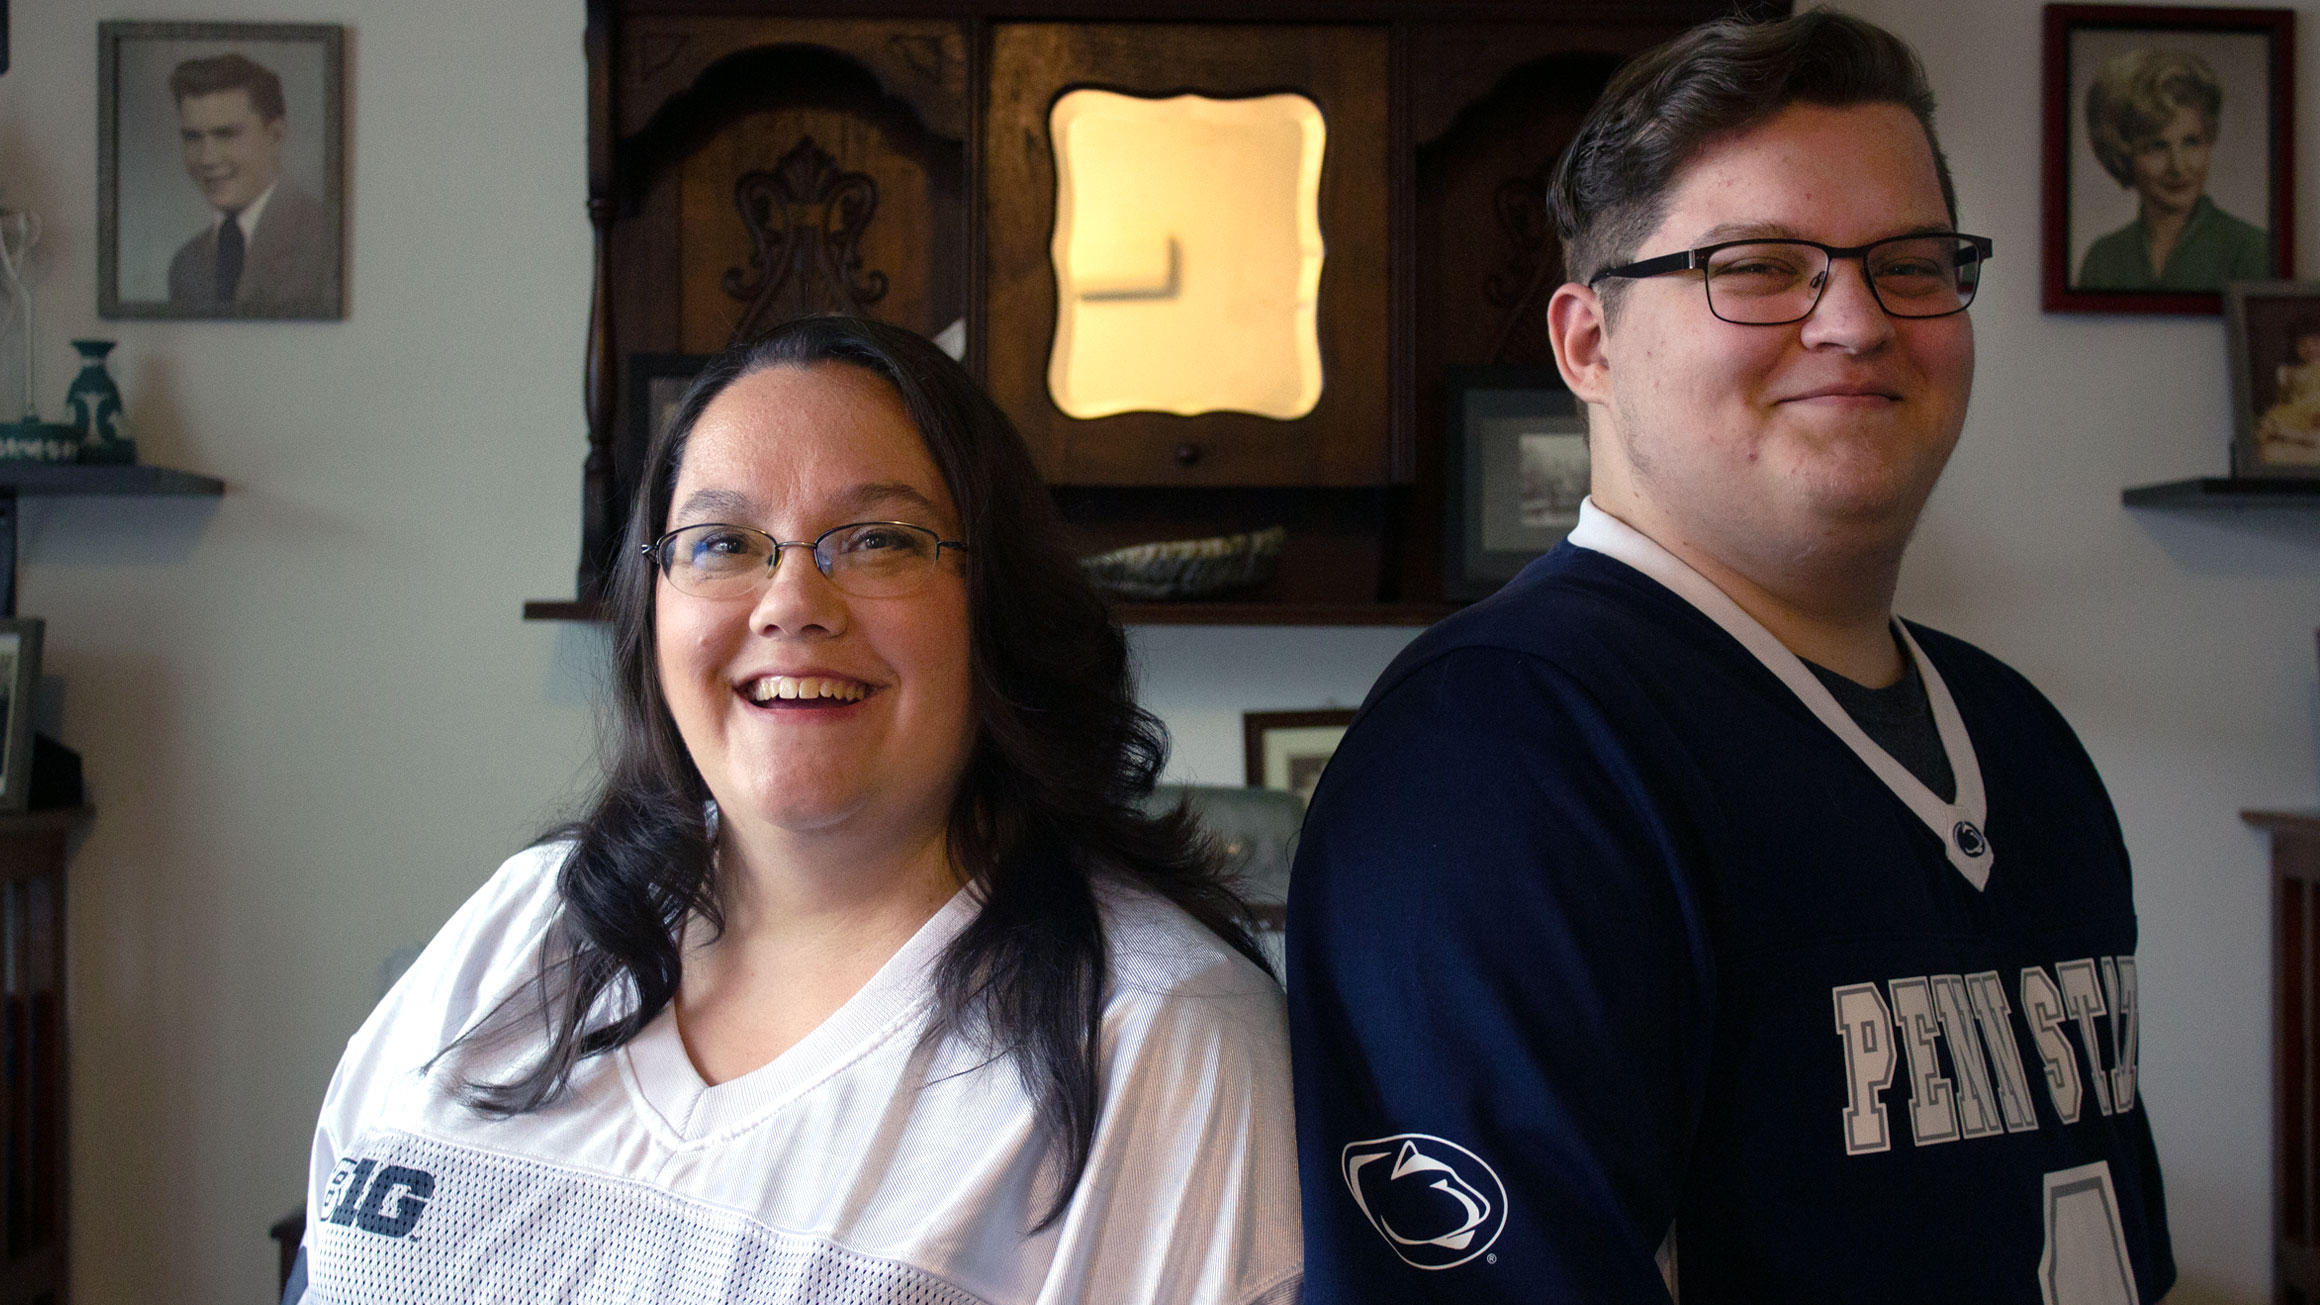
{"type": "Point", "coordinates": [1899, 719]}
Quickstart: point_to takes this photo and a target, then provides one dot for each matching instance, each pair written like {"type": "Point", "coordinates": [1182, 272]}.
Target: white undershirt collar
{"type": "Point", "coordinates": [1959, 824]}
{"type": "Point", "coordinates": [247, 218]}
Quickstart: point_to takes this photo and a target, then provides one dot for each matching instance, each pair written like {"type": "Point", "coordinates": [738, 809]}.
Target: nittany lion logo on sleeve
{"type": "Point", "coordinates": [1433, 1201]}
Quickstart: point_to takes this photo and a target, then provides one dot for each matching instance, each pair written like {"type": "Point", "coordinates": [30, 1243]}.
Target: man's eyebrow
{"type": "Point", "coordinates": [1782, 231]}
{"type": "Point", "coordinates": [1746, 231]}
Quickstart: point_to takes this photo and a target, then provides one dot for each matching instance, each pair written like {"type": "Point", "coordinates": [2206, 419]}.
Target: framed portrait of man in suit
{"type": "Point", "coordinates": [221, 186]}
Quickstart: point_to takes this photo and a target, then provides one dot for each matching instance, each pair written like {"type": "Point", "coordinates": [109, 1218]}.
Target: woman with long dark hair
{"type": "Point", "coordinates": [867, 978]}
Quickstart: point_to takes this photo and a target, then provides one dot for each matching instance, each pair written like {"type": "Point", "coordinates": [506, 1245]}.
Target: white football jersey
{"type": "Point", "coordinates": [864, 1164]}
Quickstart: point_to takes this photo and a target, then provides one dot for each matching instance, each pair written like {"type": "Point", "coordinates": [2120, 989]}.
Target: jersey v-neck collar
{"type": "Point", "coordinates": [1959, 824]}
{"type": "Point", "coordinates": [687, 1111]}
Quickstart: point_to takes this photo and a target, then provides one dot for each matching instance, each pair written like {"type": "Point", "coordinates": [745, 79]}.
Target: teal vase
{"type": "Point", "coordinates": [93, 408]}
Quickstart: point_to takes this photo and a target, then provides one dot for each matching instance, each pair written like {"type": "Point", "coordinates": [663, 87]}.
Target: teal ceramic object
{"type": "Point", "coordinates": [93, 408]}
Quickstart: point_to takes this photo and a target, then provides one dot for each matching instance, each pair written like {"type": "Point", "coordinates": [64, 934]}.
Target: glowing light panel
{"type": "Point", "coordinates": [1187, 255]}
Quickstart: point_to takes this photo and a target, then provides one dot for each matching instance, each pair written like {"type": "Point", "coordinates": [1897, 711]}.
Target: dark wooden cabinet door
{"type": "Point", "coordinates": [1343, 70]}
{"type": "Point", "coordinates": [771, 167]}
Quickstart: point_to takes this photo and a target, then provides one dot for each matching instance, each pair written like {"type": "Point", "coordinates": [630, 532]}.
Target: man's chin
{"type": "Point", "coordinates": [1870, 516]}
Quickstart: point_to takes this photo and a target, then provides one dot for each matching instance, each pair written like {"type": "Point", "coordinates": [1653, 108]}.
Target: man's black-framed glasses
{"type": "Point", "coordinates": [868, 559]}
{"type": "Point", "coordinates": [1775, 282]}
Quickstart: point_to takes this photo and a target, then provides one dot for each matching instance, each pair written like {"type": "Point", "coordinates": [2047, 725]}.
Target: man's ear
{"type": "Point", "coordinates": [1576, 328]}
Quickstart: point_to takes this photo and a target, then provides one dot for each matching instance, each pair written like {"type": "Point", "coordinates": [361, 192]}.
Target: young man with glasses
{"type": "Point", "coordinates": [1677, 917]}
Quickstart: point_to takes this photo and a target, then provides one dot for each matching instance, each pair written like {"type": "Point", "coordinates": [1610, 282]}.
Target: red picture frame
{"type": "Point", "coordinates": [2062, 24]}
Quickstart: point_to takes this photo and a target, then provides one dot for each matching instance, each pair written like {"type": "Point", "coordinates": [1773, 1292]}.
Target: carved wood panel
{"type": "Point", "coordinates": [1484, 256]}
{"type": "Point", "coordinates": [1487, 255]}
{"type": "Point", "coordinates": [766, 180]}
{"type": "Point", "coordinates": [921, 63]}
{"type": "Point", "coordinates": [849, 222]}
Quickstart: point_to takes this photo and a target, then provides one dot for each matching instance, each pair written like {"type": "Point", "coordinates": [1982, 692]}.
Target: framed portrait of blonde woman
{"type": "Point", "coordinates": [2275, 378]}
{"type": "Point", "coordinates": [2169, 155]}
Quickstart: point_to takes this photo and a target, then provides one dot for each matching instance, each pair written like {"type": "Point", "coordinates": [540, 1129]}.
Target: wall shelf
{"type": "Point", "coordinates": [57, 479]}
{"type": "Point", "coordinates": [73, 480]}
{"type": "Point", "coordinates": [2225, 492]}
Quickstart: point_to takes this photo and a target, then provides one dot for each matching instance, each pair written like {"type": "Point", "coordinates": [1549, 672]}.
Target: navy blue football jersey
{"type": "Point", "coordinates": [1605, 937]}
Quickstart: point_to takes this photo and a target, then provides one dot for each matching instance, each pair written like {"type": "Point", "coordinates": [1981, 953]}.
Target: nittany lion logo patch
{"type": "Point", "coordinates": [1435, 1202]}
{"type": "Point", "coordinates": [1969, 839]}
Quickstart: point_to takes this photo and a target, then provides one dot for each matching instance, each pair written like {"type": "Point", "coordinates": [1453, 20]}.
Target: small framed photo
{"type": "Point", "coordinates": [19, 679]}
{"type": "Point", "coordinates": [656, 387]}
{"type": "Point", "coordinates": [221, 170]}
{"type": "Point", "coordinates": [2275, 378]}
{"type": "Point", "coordinates": [1288, 749]}
{"type": "Point", "coordinates": [2170, 155]}
{"type": "Point", "coordinates": [1515, 469]}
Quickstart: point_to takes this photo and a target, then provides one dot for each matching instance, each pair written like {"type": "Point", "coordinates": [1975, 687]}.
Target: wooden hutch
{"type": "Point", "coordinates": [749, 162]}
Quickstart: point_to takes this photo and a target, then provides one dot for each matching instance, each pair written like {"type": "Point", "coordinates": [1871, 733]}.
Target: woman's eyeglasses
{"type": "Point", "coordinates": [868, 559]}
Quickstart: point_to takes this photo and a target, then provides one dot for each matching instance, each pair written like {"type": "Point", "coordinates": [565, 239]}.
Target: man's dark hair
{"type": "Point", "coordinates": [1610, 188]}
{"type": "Point", "coordinates": [230, 72]}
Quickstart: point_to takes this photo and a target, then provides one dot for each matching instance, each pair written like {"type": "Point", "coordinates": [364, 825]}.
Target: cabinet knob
{"type": "Point", "coordinates": [1187, 453]}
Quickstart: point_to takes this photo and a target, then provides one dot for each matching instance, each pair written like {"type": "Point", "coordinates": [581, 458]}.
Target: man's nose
{"type": "Point", "coordinates": [1848, 315]}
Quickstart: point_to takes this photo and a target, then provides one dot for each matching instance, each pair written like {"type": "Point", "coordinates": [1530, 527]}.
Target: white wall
{"type": "Point", "coordinates": [312, 721]}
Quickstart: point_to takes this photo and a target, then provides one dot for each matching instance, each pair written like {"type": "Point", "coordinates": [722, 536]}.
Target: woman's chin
{"type": "Point", "coordinates": [792, 811]}
{"type": "Point", "coordinates": [2172, 203]}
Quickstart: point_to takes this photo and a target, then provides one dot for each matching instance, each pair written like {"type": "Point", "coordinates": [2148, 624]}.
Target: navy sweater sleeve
{"type": "Point", "coordinates": [1501, 997]}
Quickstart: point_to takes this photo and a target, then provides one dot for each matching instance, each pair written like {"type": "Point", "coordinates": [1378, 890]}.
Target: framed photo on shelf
{"type": "Point", "coordinates": [2274, 329]}
{"type": "Point", "coordinates": [654, 389]}
{"type": "Point", "coordinates": [2169, 155]}
{"type": "Point", "coordinates": [1514, 470]}
{"type": "Point", "coordinates": [221, 170]}
{"type": "Point", "coordinates": [656, 385]}
{"type": "Point", "coordinates": [19, 680]}
{"type": "Point", "coordinates": [1288, 749]}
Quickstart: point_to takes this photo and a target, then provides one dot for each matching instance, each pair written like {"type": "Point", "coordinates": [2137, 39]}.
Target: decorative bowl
{"type": "Point", "coordinates": [1178, 569]}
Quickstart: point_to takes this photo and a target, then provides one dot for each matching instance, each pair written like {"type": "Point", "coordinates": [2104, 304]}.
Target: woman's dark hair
{"type": "Point", "coordinates": [1610, 189]}
{"type": "Point", "coordinates": [1052, 795]}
